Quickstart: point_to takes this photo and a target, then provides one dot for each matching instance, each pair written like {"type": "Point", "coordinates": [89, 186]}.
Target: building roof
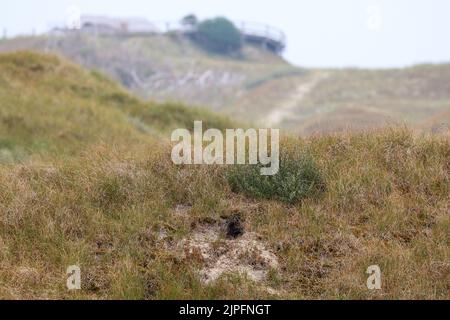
{"type": "Point", "coordinates": [120, 24]}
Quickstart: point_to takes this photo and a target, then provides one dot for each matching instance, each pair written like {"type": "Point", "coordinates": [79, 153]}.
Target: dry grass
{"type": "Point", "coordinates": [117, 206]}
{"type": "Point", "coordinates": [352, 99]}
{"type": "Point", "coordinates": [387, 203]}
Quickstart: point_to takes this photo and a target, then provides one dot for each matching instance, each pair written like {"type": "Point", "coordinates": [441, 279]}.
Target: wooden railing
{"type": "Point", "coordinates": [261, 30]}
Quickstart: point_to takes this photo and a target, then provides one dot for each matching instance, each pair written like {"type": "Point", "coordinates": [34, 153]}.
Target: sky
{"type": "Point", "coordinates": [320, 33]}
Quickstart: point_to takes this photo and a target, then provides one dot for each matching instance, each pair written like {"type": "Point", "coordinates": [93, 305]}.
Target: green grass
{"type": "Point", "coordinates": [49, 106]}
{"type": "Point", "coordinates": [298, 178]}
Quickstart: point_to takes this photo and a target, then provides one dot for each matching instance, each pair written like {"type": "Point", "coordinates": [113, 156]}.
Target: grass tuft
{"type": "Point", "coordinates": [298, 178]}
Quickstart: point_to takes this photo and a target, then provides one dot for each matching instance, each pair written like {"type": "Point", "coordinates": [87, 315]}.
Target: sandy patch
{"type": "Point", "coordinates": [246, 254]}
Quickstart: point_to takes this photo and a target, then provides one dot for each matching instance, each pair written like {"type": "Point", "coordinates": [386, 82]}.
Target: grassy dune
{"type": "Point", "coordinates": [87, 180]}
{"type": "Point", "coordinates": [51, 106]}
{"type": "Point", "coordinates": [163, 67]}
{"type": "Point", "coordinates": [328, 101]}
{"type": "Point", "coordinates": [259, 86]}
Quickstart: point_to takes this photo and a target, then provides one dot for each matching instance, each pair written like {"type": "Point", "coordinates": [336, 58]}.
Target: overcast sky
{"type": "Point", "coordinates": [321, 33]}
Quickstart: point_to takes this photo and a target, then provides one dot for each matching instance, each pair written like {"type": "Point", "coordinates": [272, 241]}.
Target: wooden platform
{"type": "Point", "coordinates": [270, 38]}
{"type": "Point", "coordinates": [266, 36]}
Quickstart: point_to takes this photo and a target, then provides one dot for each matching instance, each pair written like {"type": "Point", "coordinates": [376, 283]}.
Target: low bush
{"type": "Point", "coordinates": [298, 178]}
{"type": "Point", "coordinates": [219, 35]}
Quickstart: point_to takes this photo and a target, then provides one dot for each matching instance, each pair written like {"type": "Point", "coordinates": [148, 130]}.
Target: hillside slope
{"type": "Point", "coordinates": [259, 87]}
{"type": "Point", "coordinates": [108, 198]}
{"type": "Point", "coordinates": [163, 67]}
{"type": "Point", "coordinates": [51, 106]}
{"type": "Point", "coordinates": [335, 100]}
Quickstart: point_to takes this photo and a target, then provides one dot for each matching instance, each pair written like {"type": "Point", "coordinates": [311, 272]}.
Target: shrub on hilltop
{"type": "Point", "coordinates": [219, 35]}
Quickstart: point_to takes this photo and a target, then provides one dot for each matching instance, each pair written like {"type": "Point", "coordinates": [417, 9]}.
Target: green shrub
{"type": "Point", "coordinates": [189, 20]}
{"type": "Point", "coordinates": [298, 178]}
{"type": "Point", "coordinates": [219, 35]}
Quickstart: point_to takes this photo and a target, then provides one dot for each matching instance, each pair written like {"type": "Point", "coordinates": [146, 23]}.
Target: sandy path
{"type": "Point", "coordinates": [287, 107]}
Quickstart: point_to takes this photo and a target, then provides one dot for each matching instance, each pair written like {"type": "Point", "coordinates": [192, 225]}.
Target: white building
{"type": "Point", "coordinates": [102, 24]}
